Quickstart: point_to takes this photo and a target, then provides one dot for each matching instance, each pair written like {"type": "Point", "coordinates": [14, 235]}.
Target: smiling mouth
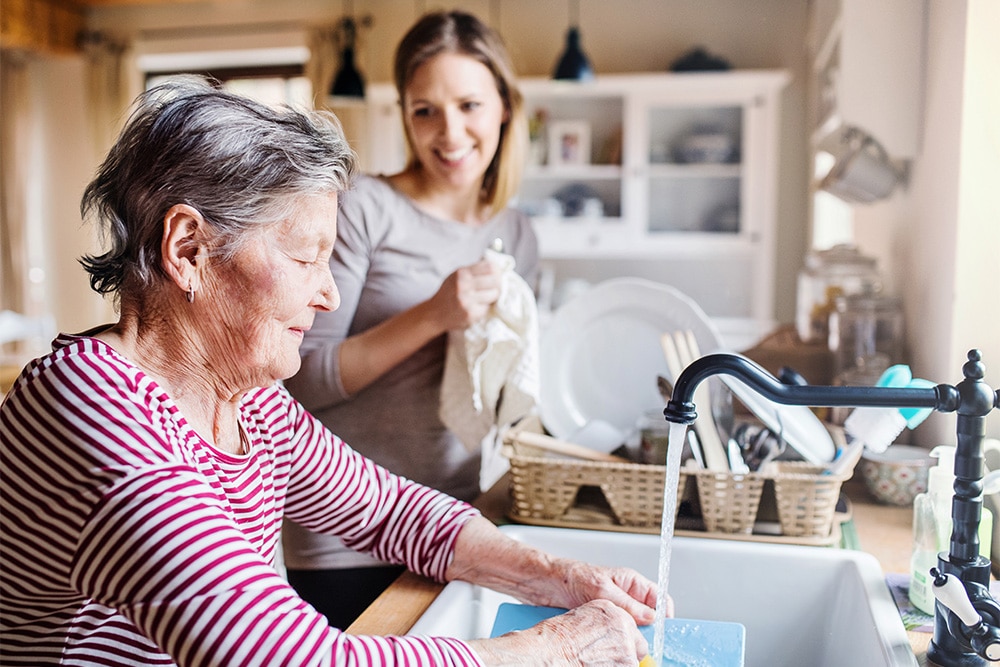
{"type": "Point", "coordinates": [455, 156]}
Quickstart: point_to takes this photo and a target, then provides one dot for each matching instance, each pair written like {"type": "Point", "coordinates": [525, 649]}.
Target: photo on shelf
{"type": "Point", "coordinates": [569, 142]}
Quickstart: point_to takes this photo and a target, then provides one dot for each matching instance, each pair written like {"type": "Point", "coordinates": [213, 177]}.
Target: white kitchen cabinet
{"type": "Point", "coordinates": [707, 220]}
{"type": "Point", "coordinates": [665, 196]}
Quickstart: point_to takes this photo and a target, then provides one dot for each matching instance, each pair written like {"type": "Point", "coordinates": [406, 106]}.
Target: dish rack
{"type": "Point", "coordinates": [790, 502]}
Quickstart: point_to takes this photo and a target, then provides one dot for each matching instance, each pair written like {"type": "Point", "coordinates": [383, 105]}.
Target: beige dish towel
{"type": "Point", "coordinates": [491, 368]}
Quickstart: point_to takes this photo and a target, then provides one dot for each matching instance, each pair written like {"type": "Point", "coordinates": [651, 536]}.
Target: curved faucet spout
{"type": "Point", "coordinates": [680, 409]}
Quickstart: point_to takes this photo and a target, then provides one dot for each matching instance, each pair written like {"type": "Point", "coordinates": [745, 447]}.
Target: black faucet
{"type": "Point", "coordinates": [955, 643]}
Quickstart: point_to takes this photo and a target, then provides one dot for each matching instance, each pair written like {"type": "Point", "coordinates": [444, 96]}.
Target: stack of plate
{"type": "Point", "coordinates": [600, 356]}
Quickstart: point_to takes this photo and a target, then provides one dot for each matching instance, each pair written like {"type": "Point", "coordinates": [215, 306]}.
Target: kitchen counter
{"type": "Point", "coordinates": [882, 530]}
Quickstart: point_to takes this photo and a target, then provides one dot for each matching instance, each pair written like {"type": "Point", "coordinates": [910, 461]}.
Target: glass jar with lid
{"type": "Point", "coordinates": [838, 271]}
{"type": "Point", "coordinates": [866, 333]}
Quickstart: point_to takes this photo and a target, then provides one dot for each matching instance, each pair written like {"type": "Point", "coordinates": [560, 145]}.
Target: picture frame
{"type": "Point", "coordinates": [569, 142]}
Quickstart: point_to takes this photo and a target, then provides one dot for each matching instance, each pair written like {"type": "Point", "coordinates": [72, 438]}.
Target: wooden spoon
{"type": "Point", "coordinates": [678, 352]}
{"type": "Point", "coordinates": [566, 448]}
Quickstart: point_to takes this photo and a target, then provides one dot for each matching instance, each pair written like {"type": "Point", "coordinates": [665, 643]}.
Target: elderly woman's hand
{"type": "Point", "coordinates": [597, 633]}
{"type": "Point", "coordinates": [575, 582]}
{"type": "Point", "coordinates": [608, 602]}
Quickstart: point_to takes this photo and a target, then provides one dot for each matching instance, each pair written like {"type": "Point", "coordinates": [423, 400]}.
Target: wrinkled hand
{"type": "Point", "coordinates": [466, 295]}
{"type": "Point", "coordinates": [597, 633]}
{"type": "Point", "coordinates": [608, 603]}
{"type": "Point", "coordinates": [579, 582]}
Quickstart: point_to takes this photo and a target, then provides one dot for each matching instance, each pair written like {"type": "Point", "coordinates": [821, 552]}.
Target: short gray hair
{"type": "Point", "coordinates": [240, 163]}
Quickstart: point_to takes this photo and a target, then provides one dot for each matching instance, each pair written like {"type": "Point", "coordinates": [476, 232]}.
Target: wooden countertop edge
{"type": "Point", "coordinates": [398, 608]}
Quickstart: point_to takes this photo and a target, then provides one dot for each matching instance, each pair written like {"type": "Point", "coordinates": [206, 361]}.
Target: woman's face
{"type": "Point", "coordinates": [454, 113]}
{"type": "Point", "coordinates": [269, 294]}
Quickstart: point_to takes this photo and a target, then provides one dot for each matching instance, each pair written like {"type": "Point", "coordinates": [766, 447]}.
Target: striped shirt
{"type": "Point", "coordinates": [126, 539]}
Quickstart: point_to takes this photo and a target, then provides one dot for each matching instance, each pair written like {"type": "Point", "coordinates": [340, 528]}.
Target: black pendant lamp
{"type": "Point", "coordinates": [348, 82]}
{"type": "Point", "coordinates": [573, 64]}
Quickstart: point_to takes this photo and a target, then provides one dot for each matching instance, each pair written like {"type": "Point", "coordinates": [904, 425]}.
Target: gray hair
{"type": "Point", "coordinates": [240, 163]}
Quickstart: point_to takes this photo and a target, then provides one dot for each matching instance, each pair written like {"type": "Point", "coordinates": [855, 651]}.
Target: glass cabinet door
{"type": "Point", "coordinates": [695, 167]}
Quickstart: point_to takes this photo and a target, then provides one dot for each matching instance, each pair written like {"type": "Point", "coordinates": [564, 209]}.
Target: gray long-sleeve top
{"type": "Point", "coordinates": [390, 256]}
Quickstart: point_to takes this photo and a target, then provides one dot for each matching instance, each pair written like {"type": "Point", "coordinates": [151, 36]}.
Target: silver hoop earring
{"type": "Point", "coordinates": [190, 293]}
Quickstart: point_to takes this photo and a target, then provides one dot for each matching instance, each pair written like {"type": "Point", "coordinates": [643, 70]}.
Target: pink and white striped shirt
{"type": "Point", "coordinates": [125, 539]}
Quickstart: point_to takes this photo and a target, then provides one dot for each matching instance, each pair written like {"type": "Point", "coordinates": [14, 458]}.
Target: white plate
{"type": "Point", "coordinates": [798, 425]}
{"type": "Point", "coordinates": [600, 353]}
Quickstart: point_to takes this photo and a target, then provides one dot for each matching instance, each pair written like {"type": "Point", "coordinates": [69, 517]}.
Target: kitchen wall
{"type": "Point", "coordinates": [939, 240]}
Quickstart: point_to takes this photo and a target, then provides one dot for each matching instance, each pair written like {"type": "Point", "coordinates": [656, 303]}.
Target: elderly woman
{"type": "Point", "coordinates": [147, 464]}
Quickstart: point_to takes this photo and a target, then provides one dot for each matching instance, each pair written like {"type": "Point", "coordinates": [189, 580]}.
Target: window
{"type": "Point", "coordinates": [270, 84]}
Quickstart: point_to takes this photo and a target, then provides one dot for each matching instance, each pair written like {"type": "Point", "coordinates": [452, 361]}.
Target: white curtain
{"type": "Point", "coordinates": [109, 92]}
{"type": "Point", "coordinates": [14, 122]}
{"type": "Point", "coordinates": [323, 61]}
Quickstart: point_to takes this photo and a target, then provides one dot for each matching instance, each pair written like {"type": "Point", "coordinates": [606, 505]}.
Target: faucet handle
{"type": "Point", "coordinates": [949, 591]}
{"type": "Point", "coordinates": [983, 637]}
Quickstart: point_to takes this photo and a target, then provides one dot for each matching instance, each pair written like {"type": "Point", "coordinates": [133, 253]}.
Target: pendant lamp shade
{"type": "Point", "coordinates": [348, 82]}
{"type": "Point", "coordinates": [573, 63]}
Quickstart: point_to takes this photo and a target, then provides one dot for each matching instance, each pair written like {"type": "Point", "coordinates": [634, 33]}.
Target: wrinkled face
{"type": "Point", "coordinates": [453, 113]}
{"type": "Point", "coordinates": [268, 296]}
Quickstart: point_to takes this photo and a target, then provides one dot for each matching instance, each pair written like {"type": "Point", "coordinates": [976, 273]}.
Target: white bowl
{"type": "Point", "coordinates": [706, 148]}
{"type": "Point", "coordinates": [898, 474]}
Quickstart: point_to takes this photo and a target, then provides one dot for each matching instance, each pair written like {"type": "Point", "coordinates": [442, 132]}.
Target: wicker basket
{"type": "Point", "coordinates": [729, 501]}
{"type": "Point", "coordinates": [806, 498]}
{"type": "Point", "coordinates": [544, 487]}
{"type": "Point", "coordinates": [546, 490]}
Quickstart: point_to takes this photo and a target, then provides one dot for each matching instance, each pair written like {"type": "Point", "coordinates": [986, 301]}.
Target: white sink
{"type": "Point", "coordinates": [801, 606]}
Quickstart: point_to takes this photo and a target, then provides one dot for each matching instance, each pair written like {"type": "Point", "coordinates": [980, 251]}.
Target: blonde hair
{"type": "Point", "coordinates": [458, 32]}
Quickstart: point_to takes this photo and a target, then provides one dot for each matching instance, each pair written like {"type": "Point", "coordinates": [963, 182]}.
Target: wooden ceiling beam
{"type": "Point", "coordinates": [45, 26]}
{"type": "Point", "coordinates": [127, 3]}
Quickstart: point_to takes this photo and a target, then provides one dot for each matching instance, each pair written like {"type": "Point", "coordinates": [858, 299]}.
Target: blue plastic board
{"type": "Point", "coordinates": [687, 642]}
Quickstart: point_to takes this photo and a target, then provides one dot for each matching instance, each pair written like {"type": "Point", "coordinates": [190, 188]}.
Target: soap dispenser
{"type": "Point", "coordinates": [932, 527]}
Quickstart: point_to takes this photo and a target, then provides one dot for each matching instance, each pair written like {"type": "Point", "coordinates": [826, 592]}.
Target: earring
{"type": "Point", "coordinates": [190, 293]}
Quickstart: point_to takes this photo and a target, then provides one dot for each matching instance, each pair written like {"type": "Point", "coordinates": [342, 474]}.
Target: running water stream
{"type": "Point", "coordinates": [675, 443]}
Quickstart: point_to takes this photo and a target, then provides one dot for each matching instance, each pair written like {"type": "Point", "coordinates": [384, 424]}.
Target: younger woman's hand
{"type": "Point", "coordinates": [466, 295]}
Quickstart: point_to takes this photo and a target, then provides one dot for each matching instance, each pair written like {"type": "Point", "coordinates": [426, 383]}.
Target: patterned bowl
{"type": "Point", "coordinates": [898, 474]}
